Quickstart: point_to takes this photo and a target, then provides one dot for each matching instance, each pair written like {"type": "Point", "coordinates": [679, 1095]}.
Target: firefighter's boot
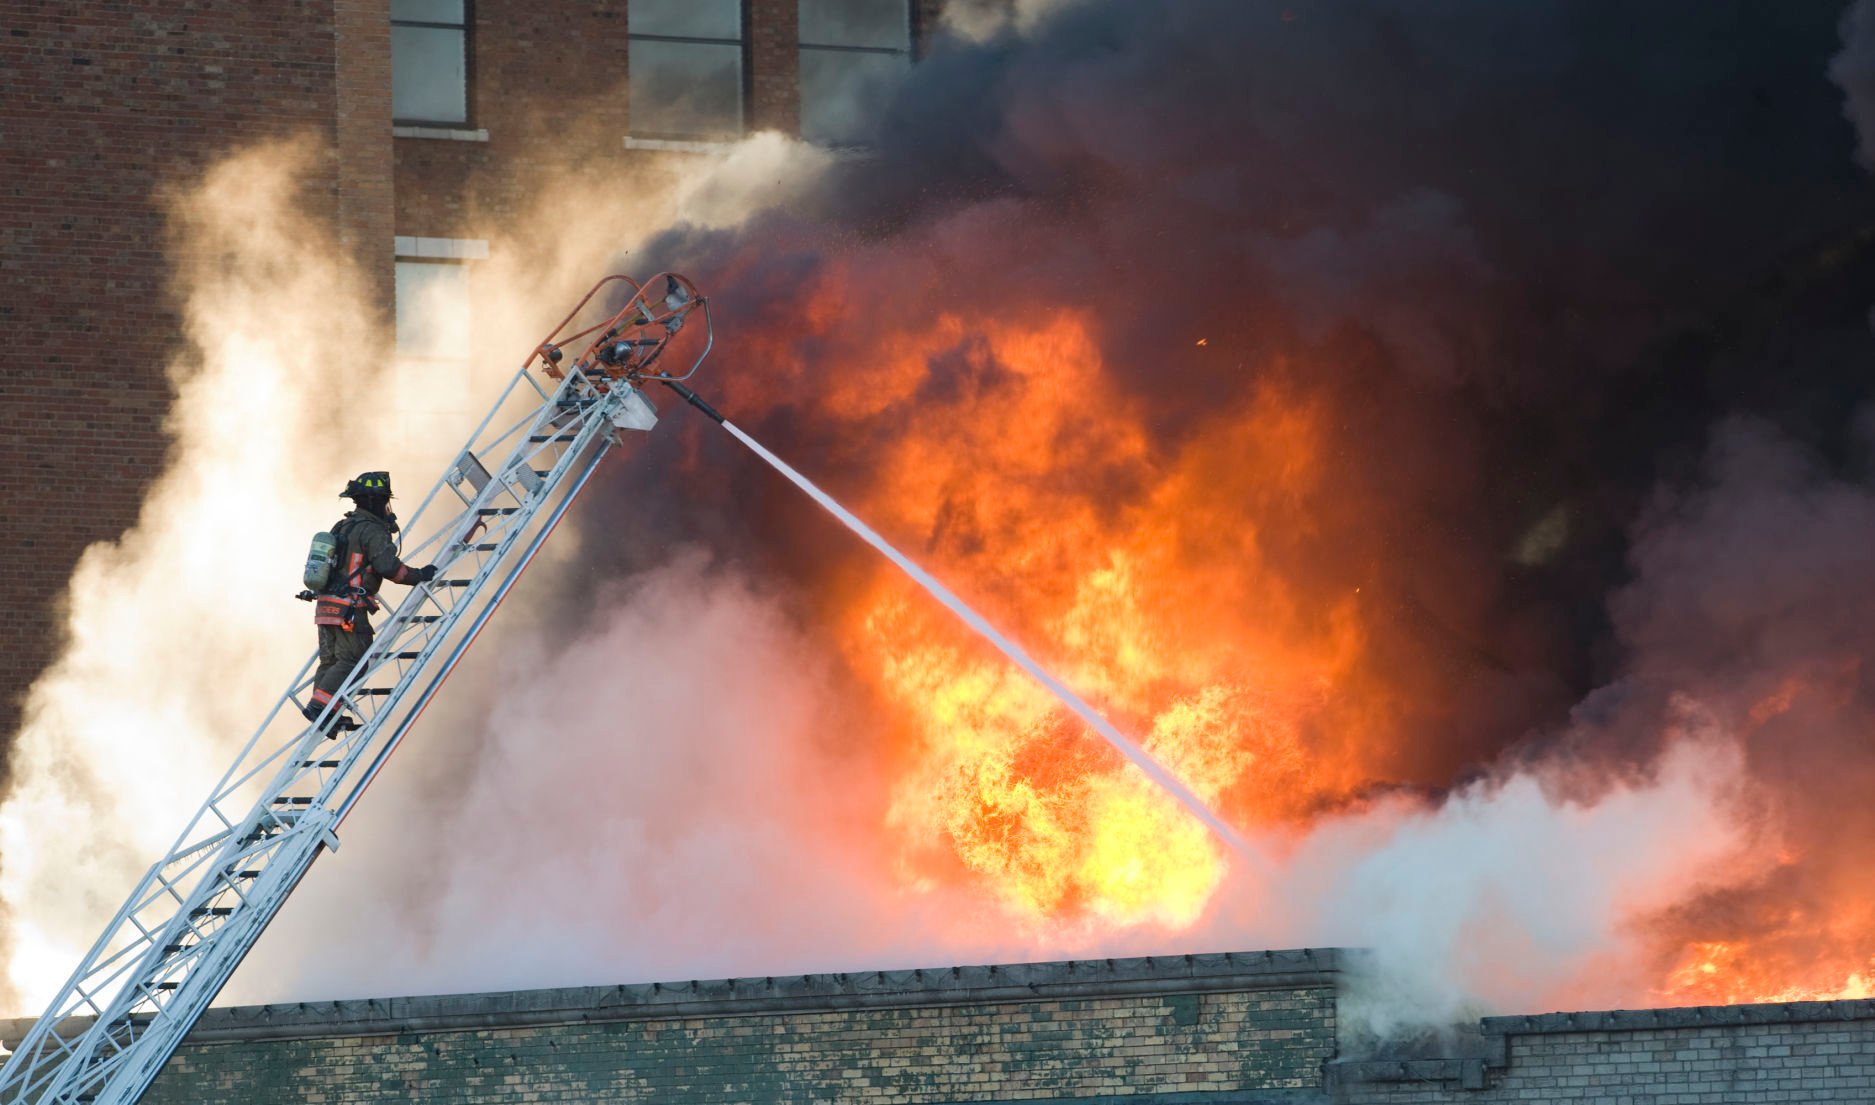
{"type": "Point", "coordinates": [336, 722]}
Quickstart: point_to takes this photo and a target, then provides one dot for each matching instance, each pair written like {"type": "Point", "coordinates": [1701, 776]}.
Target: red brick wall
{"type": "Point", "coordinates": [362, 79]}
{"type": "Point", "coordinates": [549, 88]}
{"type": "Point", "coordinates": [774, 31]}
{"type": "Point", "coordinates": [101, 107]}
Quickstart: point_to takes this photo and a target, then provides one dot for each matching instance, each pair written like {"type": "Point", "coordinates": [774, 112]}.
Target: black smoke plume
{"type": "Point", "coordinates": [1536, 253]}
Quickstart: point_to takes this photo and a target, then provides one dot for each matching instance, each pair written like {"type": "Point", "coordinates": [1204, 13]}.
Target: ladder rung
{"type": "Point", "coordinates": [488, 510]}
{"type": "Point", "coordinates": [361, 691]}
{"type": "Point", "coordinates": [166, 985]}
{"type": "Point", "coordinates": [405, 655]}
{"type": "Point", "coordinates": [425, 619]}
{"type": "Point", "coordinates": [250, 874]}
{"type": "Point", "coordinates": [292, 801]}
{"type": "Point", "coordinates": [483, 548]}
{"type": "Point", "coordinates": [318, 763]}
{"type": "Point", "coordinates": [450, 583]}
{"type": "Point", "coordinates": [212, 911]}
{"type": "Point", "coordinates": [172, 949]}
{"type": "Point", "coordinates": [538, 438]}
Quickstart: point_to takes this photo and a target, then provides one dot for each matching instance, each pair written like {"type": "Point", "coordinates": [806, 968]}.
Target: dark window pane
{"type": "Point", "coordinates": [841, 92]}
{"type": "Point", "coordinates": [685, 18]}
{"type": "Point", "coordinates": [426, 11]}
{"type": "Point", "coordinates": [882, 23]}
{"type": "Point", "coordinates": [685, 89]}
{"type": "Point", "coordinates": [432, 309]}
{"type": "Point", "coordinates": [429, 75]}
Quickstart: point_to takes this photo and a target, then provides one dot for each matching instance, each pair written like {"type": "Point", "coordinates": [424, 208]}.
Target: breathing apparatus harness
{"type": "Point", "coordinates": [339, 599]}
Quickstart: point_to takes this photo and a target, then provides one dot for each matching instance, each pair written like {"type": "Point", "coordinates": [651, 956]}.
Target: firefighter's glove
{"type": "Point", "coordinates": [426, 573]}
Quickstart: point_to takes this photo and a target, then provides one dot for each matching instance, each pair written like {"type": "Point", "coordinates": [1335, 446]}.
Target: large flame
{"type": "Point", "coordinates": [1143, 581]}
{"type": "Point", "coordinates": [1720, 972]}
{"type": "Point", "coordinates": [1798, 931]}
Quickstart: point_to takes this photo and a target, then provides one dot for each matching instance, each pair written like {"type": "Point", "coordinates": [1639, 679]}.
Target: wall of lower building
{"type": "Point", "coordinates": [1799, 1052]}
{"type": "Point", "coordinates": [1075, 1049]}
{"type": "Point", "coordinates": [1241, 1028]}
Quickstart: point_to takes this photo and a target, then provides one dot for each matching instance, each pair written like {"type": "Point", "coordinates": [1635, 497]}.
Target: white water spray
{"type": "Point", "coordinates": [1139, 756]}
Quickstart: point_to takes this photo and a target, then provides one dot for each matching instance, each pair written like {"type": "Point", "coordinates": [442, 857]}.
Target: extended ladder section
{"type": "Point", "coordinates": [192, 918]}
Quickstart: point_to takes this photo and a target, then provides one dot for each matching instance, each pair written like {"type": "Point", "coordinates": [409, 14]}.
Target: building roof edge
{"type": "Point", "coordinates": [1064, 979]}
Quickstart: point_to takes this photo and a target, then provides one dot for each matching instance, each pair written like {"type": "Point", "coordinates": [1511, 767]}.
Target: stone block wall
{"type": "Point", "coordinates": [1250, 1027]}
{"type": "Point", "coordinates": [1798, 1052]}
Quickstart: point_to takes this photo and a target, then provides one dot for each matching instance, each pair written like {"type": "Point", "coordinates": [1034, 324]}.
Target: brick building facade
{"type": "Point", "coordinates": [108, 107]}
{"type": "Point", "coordinates": [1237, 1029]}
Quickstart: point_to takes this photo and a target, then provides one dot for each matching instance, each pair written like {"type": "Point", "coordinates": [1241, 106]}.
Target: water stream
{"type": "Point", "coordinates": [1139, 756]}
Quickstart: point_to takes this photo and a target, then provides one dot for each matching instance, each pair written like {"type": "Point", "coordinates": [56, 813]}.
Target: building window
{"type": "Point", "coordinates": [430, 61]}
{"type": "Point", "coordinates": [432, 310]}
{"type": "Point", "coordinates": [852, 53]}
{"type": "Point", "coordinates": [686, 66]}
{"type": "Point", "coordinates": [429, 387]}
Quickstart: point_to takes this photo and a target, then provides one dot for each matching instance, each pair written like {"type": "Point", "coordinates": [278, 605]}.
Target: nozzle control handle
{"type": "Point", "coordinates": [693, 399]}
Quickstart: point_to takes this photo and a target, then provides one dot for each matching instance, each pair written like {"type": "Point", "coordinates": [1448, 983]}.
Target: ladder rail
{"type": "Point", "coordinates": [481, 428]}
{"type": "Point", "coordinates": [166, 1032]}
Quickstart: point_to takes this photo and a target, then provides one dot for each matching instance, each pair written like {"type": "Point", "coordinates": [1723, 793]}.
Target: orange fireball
{"type": "Point", "coordinates": [1141, 580]}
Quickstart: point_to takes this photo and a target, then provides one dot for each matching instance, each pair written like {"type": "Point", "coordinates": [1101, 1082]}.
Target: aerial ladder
{"type": "Point", "coordinates": [195, 914]}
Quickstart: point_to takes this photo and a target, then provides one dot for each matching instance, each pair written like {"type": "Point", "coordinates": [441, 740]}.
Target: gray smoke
{"type": "Point", "coordinates": [1854, 70]}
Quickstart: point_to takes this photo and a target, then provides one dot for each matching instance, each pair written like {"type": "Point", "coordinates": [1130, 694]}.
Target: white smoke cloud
{"type": "Point", "coordinates": [1509, 896]}
{"type": "Point", "coordinates": [183, 632]}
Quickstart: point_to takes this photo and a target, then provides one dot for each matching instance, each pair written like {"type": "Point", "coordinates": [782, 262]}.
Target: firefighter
{"type": "Point", "coordinates": [367, 556]}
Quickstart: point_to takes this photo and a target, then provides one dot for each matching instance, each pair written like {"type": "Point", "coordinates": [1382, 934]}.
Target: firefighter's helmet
{"type": "Point", "coordinates": [368, 484]}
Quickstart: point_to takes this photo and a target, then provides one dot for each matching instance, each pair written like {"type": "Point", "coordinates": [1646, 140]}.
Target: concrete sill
{"type": "Point", "coordinates": [408, 247]}
{"type": "Point", "coordinates": [676, 145]}
{"type": "Point", "coordinates": [445, 133]}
